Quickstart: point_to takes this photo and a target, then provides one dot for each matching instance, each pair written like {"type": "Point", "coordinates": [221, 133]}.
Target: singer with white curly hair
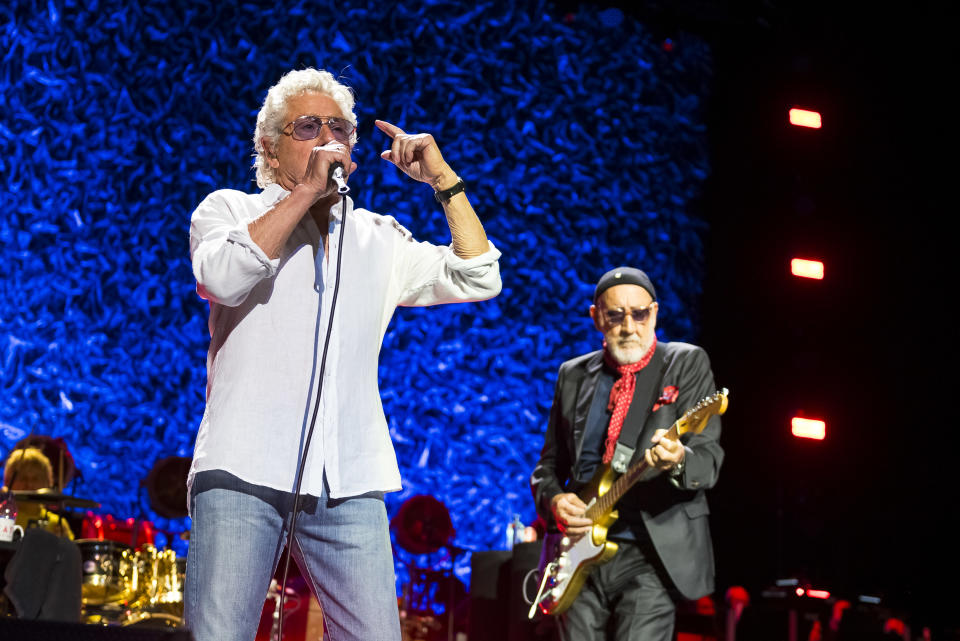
{"type": "Point", "coordinates": [302, 285]}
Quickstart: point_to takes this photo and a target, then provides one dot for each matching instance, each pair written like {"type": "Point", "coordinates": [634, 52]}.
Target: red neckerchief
{"type": "Point", "coordinates": [621, 395]}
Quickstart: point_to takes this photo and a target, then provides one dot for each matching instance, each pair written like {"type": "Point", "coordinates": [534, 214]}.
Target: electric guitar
{"type": "Point", "coordinates": [565, 564]}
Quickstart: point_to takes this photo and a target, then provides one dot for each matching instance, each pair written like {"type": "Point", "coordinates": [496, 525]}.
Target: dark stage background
{"type": "Point", "coordinates": [589, 135]}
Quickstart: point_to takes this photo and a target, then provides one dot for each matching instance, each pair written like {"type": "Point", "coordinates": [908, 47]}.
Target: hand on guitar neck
{"type": "Point", "coordinates": [666, 453]}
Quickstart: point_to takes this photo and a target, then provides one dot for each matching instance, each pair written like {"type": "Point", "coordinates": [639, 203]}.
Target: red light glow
{"type": "Point", "coordinates": [799, 591]}
{"type": "Point", "coordinates": [818, 594]}
{"type": "Point", "coordinates": [804, 118]}
{"type": "Point", "coordinates": [808, 428]}
{"type": "Point", "coordinates": [806, 268]}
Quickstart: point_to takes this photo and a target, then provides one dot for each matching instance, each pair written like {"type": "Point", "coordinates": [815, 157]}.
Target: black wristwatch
{"type": "Point", "coordinates": [443, 196]}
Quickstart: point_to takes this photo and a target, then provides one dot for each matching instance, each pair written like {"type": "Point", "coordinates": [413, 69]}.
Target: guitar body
{"type": "Point", "coordinates": [568, 563]}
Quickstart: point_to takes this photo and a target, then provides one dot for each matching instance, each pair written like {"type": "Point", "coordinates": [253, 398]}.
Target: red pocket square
{"type": "Point", "coordinates": [667, 396]}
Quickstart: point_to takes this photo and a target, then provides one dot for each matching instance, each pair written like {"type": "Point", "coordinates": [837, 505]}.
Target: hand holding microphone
{"type": "Point", "coordinates": [334, 153]}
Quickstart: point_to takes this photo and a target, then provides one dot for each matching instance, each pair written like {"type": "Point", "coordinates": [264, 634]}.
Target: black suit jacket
{"type": "Point", "coordinates": [674, 511]}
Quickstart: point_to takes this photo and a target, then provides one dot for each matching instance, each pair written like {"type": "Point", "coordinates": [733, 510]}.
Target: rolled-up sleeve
{"type": "Point", "coordinates": [433, 274]}
{"type": "Point", "coordinates": [226, 262]}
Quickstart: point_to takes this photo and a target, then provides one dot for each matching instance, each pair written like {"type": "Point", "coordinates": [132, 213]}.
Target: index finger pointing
{"type": "Point", "coordinates": [387, 128]}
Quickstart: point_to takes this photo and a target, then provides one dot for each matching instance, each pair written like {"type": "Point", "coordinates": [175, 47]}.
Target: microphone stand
{"type": "Point", "coordinates": [342, 189]}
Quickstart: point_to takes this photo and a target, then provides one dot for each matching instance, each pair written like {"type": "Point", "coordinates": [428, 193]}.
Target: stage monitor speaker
{"type": "Point", "coordinates": [498, 611]}
{"type": "Point", "coordinates": [489, 578]}
{"type": "Point", "coordinates": [21, 630]}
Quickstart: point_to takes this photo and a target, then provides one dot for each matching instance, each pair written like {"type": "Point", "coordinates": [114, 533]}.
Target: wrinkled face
{"type": "Point", "coordinates": [288, 156]}
{"type": "Point", "coordinates": [614, 316]}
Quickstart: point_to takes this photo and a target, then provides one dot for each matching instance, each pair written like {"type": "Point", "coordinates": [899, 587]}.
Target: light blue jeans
{"type": "Point", "coordinates": [342, 547]}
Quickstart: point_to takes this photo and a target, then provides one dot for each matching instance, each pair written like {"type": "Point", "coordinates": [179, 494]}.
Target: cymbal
{"type": "Point", "coordinates": [49, 496]}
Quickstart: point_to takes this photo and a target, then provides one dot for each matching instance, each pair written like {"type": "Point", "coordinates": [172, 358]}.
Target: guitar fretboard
{"type": "Point", "coordinates": [605, 502]}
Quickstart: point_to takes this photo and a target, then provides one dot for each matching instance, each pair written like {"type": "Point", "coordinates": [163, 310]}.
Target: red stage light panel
{"type": "Point", "coordinates": [808, 428]}
{"type": "Point", "coordinates": [805, 118]}
{"type": "Point", "coordinates": [818, 594]}
{"type": "Point", "coordinates": [805, 268]}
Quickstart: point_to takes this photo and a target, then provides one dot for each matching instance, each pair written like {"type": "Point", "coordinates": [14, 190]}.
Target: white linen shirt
{"type": "Point", "coordinates": [268, 322]}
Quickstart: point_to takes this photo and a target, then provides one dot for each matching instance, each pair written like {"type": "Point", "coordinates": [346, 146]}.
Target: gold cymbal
{"type": "Point", "coordinates": [51, 497]}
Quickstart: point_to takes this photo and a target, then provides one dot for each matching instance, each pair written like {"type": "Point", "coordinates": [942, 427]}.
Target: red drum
{"type": "Point", "coordinates": [132, 532]}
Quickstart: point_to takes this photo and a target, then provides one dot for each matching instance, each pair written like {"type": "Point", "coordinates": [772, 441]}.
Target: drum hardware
{"type": "Point", "coordinates": [109, 572]}
{"type": "Point", "coordinates": [153, 579]}
{"type": "Point", "coordinates": [291, 604]}
{"type": "Point", "coordinates": [422, 526]}
{"type": "Point", "coordinates": [414, 627]}
{"type": "Point", "coordinates": [151, 620]}
{"type": "Point", "coordinates": [106, 614]}
{"type": "Point", "coordinates": [161, 581]}
{"type": "Point", "coordinates": [146, 591]}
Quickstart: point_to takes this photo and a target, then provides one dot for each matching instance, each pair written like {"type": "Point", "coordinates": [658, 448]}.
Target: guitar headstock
{"type": "Point", "coordinates": [695, 419]}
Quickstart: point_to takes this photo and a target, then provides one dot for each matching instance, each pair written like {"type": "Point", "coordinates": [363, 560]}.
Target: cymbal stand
{"type": "Point", "coordinates": [274, 593]}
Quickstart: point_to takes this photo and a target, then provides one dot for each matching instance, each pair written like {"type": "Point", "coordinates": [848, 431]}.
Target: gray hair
{"type": "Point", "coordinates": [274, 109]}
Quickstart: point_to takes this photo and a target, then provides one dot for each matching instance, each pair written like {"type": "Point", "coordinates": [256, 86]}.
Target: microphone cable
{"type": "Point", "coordinates": [313, 421]}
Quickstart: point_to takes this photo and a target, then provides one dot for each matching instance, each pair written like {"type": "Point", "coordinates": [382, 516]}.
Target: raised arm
{"type": "Point", "coordinates": [418, 156]}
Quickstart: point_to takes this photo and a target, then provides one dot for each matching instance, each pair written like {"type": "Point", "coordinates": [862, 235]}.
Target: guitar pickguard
{"type": "Point", "coordinates": [567, 564]}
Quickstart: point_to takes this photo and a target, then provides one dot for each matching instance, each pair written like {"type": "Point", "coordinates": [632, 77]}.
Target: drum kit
{"type": "Point", "coordinates": [422, 527]}
{"type": "Point", "coordinates": [126, 580]}
{"type": "Point", "coordinates": [122, 586]}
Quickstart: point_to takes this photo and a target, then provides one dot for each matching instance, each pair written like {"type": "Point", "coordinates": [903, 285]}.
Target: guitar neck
{"type": "Point", "coordinates": [628, 479]}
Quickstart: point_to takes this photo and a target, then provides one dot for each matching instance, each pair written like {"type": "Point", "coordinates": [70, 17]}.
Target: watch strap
{"type": "Point", "coordinates": [443, 196]}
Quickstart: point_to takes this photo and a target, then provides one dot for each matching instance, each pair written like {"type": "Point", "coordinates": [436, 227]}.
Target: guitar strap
{"type": "Point", "coordinates": [644, 395]}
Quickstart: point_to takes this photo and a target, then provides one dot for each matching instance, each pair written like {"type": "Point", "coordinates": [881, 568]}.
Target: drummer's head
{"type": "Point", "coordinates": [27, 469]}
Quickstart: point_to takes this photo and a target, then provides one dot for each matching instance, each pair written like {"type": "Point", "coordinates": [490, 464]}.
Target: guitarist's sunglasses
{"type": "Point", "coordinates": [639, 315]}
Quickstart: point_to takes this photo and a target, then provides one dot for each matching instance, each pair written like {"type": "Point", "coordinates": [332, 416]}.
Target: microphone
{"type": "Point", "coordinates": [336, 175]}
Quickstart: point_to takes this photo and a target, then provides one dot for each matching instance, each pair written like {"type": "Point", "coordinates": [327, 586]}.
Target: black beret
{"type": "Point", "coordinates": [624, 276]}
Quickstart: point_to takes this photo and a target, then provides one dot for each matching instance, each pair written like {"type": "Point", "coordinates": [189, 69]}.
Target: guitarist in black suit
{"type": "Point", "coordinates": [637, 386]}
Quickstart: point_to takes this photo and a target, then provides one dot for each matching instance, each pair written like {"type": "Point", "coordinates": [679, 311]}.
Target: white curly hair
{"type": "Point", "coordinates": [274, 109]}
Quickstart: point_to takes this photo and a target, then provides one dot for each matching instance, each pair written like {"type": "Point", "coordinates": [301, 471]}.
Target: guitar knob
{"type": "Point", "coordinates": [565, 541]}
{"type": "Point", "coordinates": [563, 562]}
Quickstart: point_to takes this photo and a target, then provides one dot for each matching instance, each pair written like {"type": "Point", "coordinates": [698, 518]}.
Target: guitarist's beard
{"type": "Point", "coordinates": [629, 350]}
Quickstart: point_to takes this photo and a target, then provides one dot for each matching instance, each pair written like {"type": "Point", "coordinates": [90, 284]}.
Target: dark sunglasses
{"type": "Point", "coordinates": [639, 315]}
{"type": "Point", "coordinates": [308, 128]}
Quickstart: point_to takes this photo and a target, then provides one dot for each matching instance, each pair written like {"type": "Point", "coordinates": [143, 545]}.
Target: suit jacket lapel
{"type": "Point", "coordinates": [584, 399]}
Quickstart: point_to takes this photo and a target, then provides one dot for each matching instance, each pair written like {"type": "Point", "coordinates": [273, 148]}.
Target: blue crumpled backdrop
{"type": "Point", "coordinates": [581, 138]}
